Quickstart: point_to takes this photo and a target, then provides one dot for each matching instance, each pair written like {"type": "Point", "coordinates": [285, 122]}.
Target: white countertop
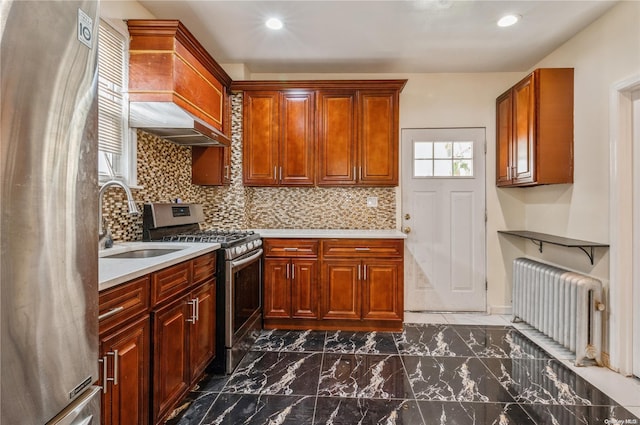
{"type": "Point", "coordinates": [114, 271]}
{"type": "Point", "coordinates": [331, 233]}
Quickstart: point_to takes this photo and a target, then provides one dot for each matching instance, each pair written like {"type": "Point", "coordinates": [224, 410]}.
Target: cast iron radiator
{"type": "Point", "coordinates": [564, 305]}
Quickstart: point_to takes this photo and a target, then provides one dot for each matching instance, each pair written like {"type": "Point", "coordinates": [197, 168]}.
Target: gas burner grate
{"type": "Point", "coordinates": [210, 236]}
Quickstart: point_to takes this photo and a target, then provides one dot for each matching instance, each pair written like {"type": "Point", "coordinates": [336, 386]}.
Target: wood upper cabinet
{"type": "Point", "coordinates": [278, 138]}
{"type": "Point", "coordinates": [358, 137]}
{"type": "Point", "coordinates": [297, 140]}
{"type": "Point", "coordinates": [261, 132]}
{"type": "Point", "coordinates": [378, 145]}
{"type": "Point", "coordinates": [534, 130]}
{"type": "Point", "coordinates": [211, 166]}
{"type": "Point", "coordinates": [337, 150]}
{"type": "Point", "coordinates": [324, 132]}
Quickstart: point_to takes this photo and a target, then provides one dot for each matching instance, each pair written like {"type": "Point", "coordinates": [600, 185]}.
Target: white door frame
{"type": "Point", "coordinates": [620, 225]}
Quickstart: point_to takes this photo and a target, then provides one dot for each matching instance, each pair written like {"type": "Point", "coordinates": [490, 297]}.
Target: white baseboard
{"type": "Point", "coordinates": [500, 309]}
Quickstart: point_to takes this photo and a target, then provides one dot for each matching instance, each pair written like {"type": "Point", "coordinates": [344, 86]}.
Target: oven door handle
{"type": "Point", "coordinates": [244, 261]}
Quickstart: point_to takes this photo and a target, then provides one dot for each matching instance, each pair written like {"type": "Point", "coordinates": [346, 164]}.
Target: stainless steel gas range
{"type": "Point", "coordinates": [239, 275]}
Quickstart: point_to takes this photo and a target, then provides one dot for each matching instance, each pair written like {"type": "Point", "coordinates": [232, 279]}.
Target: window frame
{"type": "Point", "coordinates": [123, 165]}
{"type": "Point", "coordinates": [434, 158]}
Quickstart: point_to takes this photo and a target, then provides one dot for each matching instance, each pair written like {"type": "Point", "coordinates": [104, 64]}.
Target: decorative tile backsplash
{"type": "Point", "coordinates": [164, 174]}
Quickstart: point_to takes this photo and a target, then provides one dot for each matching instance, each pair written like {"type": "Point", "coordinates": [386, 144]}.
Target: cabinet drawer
{"type": "Point", "coordinates": [170, 281]}
{"type": "Point", "coordinates": [204, 267]}
{"type": "Point", "coordinates": [290, 247]}
{"type": "Point", "coordinates": [119, 304]}
{"type": "Point", "coordinates": [335, 248]}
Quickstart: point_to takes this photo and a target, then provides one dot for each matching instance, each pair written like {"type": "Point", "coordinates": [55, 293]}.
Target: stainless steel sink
{"type": "Point", "coordinates": [143, 253]}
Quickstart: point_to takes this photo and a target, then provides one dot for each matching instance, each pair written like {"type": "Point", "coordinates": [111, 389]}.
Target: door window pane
{"type": "Point", "coordinates": [442, 159]}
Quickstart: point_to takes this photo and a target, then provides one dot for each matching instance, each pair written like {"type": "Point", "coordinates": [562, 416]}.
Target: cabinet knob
{"type": "Point", "coordinates": [407, 230]}
{"type": "Point", "coordinates": [407, 216]}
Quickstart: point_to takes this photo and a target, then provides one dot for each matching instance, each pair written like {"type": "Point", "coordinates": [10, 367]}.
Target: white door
{"type": "Point", "coordinates": [635, 96]}
{"type": "Point", "coordinates": [443, 211]}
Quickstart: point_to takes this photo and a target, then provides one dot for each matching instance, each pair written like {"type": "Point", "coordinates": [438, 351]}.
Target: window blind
{"type": "Point", "coordinates": [111, 84]}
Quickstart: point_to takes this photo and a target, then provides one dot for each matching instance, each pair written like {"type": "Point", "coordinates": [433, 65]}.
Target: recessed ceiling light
{"type": "Point", "coordinates": [274, 23]}
{"type": "Point", "coordinates": [508, 20]}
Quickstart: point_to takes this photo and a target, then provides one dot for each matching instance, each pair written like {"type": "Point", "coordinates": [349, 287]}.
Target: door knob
{"type": "Point", "coordinates": [407, 229]}
{"type": "Point", "coordinates": [407, 217]}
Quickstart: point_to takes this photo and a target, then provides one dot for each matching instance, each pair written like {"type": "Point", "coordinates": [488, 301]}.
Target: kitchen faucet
{"type": "Point", "coordinates": [104, 235]}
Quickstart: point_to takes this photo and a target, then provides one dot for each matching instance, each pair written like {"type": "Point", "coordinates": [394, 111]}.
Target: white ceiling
{"type": "Point", "coordinates": [381, 36]}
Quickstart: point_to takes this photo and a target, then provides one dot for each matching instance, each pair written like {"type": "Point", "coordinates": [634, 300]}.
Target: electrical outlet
{"type": "Point", "coordinates": [372, 201]}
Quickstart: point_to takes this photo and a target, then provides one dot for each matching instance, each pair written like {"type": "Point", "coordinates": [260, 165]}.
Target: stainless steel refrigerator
{"type": "Point", "coordinates": [48, 200]}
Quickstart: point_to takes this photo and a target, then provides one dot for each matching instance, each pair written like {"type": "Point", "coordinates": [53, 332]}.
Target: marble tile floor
{"type": "Point", "coordinates": [453, 370]}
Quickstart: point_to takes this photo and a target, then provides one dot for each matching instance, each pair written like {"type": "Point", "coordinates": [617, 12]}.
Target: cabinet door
{"type": "Point", "coordinates": [127, 353]}
{"type": "Point", "coordinates": [202, 332]}
{"type": "Point", "coordinates": [382, 290]}
{"type": "Point", "coordinates": [504, 137]}
{"type": "Point", "coordinates": [170, 350]}
{"type": "Point", "coordinates": [341, 297]}
{"type": "Point", "coordinates": [261, 135]}
{"type": "Point", "coordinates": [277, 288]}
{"type": "Point", "coordinates": [297, 139]}
{"type": "Point", "coordinates": [304, 287]}
{"type": "Point", "coordinates": [524, 158]}
{"type": "Point", "coordinates": [210, 166]}
{"type": "Point", "coordinates": [336, 137]}
{"type": "Point", "coordinates": [378, 138]}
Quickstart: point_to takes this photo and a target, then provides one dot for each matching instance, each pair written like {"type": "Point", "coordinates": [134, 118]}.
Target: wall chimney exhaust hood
{"type": "Point", "coordinates": [170, 122]}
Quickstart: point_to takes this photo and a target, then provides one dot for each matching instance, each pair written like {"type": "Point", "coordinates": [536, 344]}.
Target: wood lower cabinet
{"type": "Point", "coordinates": [125, 349]}
{"type": "Point", "coordinates": [361, 289]}
{"type": "Point", "coordinates": [157, 336]}
{"type": "Point", "coordinates": [341, 289]}
{"type": "Point", "coordinates": [202, 342]}
{"type": "Point", "coordinates": [171, 375]}
{"type": "Point", "coordinates": [358, 284]}
{"type": "Point", "coordinates": [125, 360]}
{"type": "Point", "coordinates": [381, 289]}
{"type": "Point", "coordinates": [534, 130]}
{"type": "Point", "coordinates": [290, 279]}
{"type": "Point", "coordinates": [183, 345]}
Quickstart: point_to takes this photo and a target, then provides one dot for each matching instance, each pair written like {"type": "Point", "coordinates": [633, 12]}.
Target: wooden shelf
{"type": "Point", "coordinates": [540, 238]}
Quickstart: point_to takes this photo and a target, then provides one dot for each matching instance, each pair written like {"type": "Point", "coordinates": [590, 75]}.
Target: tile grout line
{"type": "Point", "coordinates": [406, 372]}
{"type": "Point", "coordinates": [315, 404]}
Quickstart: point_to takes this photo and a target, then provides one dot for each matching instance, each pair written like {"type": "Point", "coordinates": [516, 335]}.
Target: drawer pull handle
{"type": "Point", "coordinates": [363, 249]}
{"type": "Point", "coordinates": [114, 353]}
{"type": "Point", "coordinates": [110, 313]}
{"type": "Point", "coordinates": [291, 249]}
